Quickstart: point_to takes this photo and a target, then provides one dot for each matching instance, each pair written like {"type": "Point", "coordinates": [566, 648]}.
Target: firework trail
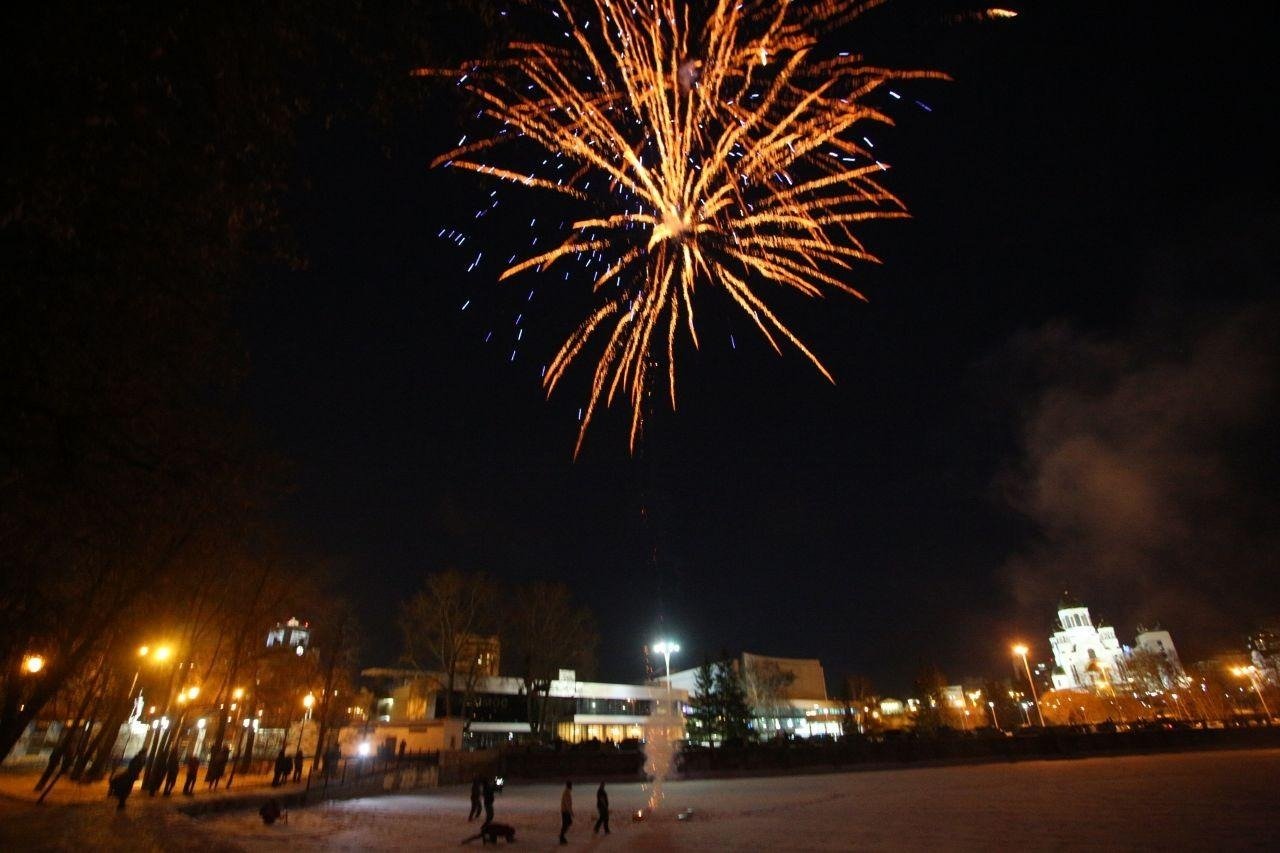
{"type": "Point", "coordinates": [716, 150]}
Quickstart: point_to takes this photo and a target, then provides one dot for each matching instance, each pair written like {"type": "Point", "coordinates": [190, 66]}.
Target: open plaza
{"type": "Point", "coordinates": [1224, 800]}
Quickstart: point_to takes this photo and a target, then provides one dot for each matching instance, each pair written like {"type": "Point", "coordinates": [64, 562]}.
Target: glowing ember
{"type": "Point", "coordinates": [722, 149]}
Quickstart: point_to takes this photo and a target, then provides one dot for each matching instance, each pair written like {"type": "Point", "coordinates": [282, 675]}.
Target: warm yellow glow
{"type": "Point", "coordinates": [1020, 650]}
{"type": "Point", "coordinates": [308, 701]}
{"type": "Point", "coordinates": [193, 692]}
{"type": "Point", "coordinates": [725, 154]}
{"type": "Point", "coordinates": [163, 653]}
{"type": "Point", "coordinates": [238, 693]}
{"type": "Point", "coordinates": [143, 651]}
{"type": "Point", "coordinates": [33, 663]}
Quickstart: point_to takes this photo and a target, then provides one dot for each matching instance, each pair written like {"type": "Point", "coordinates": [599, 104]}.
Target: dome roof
{"type": "Point", "coordinates": [1068, 601]}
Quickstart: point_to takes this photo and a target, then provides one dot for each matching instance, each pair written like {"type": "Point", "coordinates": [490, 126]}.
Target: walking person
{"type": "Point", "coordinates": [281, 769]}
{"type": "Point", "coordinates": [566, 811]}
{"type": "Point", "coordinates": [602, 809]}
{"type": "Point", "coordinates": [121, 785]}
{"type": "Point", "coordinates": [171, 772]}
{"type": "Point", "coordinates": [297, 765]}
{"type": "Point", "coordinates": [193, 770]}
{"type": "Point", "coordinates": [217, 764]}
{"type": "Point", "coordinates": [475, 800]}
{"type": "Point", "coordinates": [487, 791]}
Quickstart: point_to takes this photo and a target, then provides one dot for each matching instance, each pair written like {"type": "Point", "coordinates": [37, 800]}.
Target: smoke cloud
{"type": "Point", "coordinates": [1149, 477]}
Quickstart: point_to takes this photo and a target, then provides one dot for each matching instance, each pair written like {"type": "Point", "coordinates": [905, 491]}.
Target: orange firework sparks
{"type": "Point", "coordinates": [726, 146]}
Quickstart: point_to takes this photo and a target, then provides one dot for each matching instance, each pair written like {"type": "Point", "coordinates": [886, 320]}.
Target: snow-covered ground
{"type": "Point", "coordinates": [1209, 800]}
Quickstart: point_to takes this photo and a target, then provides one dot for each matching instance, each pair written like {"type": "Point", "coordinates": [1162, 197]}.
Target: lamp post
{"type": "Point", "coordinates": [242, 730]}
{"type": "Point", "coordinates": [1021, 651]}
{"type": "Point", "coordinates": [162, 654]}
{"type": "Point", "coordinates": [1251, 672]}
{"type": "Point", "coordinates": [667, 648]}
{"type": "Point", "coordinates": [994, 722]}
{"type": "Point", "coordinates": [308, 702]}
{"type": "Point", "coordinates": [975, 699]}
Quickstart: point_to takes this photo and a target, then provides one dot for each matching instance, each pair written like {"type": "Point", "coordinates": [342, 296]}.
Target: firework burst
{"type": "Point", "coordinates": [718, 150]}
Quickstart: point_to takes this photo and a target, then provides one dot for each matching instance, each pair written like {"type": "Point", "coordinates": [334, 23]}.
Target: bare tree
{"type": "Point", "coordinates": [546, 631]}
{"type": "Point", "coordinates": [1151, 671]}
{"type": "Point", "coordinates": [766, 684]}
{"type": "Point", "coordinates": [857, 695]}
{"type": "Point", "coordinates": [441, 625]}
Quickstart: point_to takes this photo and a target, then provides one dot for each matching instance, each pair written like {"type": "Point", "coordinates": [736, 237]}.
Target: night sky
{"type": "Point", "coordinates": [1064, 376]}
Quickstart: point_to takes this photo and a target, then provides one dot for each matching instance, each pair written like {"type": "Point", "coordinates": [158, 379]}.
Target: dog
{"type": "Point", "coordinates": [491, 832]}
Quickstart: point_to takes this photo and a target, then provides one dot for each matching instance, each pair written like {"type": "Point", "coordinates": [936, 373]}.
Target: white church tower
{"type": "Point", "coordinates": [1084, 654]}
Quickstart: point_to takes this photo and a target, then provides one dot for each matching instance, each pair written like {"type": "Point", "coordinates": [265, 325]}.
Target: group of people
{"type": "Point", "coordinates": [566, 811]}
{"type": "Point", "coordinates": [164, 777]}
{"type": "Point", "coordinates": [483, 789]}
{"type": "Point", "coordinates": [174, 766]}
{"type": "Point", "coordinates": [285, 766]}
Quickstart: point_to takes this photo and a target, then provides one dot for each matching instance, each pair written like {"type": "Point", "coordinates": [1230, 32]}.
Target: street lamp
{"type": "Point", "coordinates": [32, 664]}
{"type": "Point", "coordinates": [1251, 672]}
{"type": "Point", "coordinates": [667, 648]}
{"type": "Point", "coordinates": [308, 702]}
{"type": "Point", "coordinates": [1021, 651]}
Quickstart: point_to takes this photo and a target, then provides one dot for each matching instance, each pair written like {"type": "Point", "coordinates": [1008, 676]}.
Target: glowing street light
{"type": "Point", "coordinates": [32, 664]}
{"type": "Point", "coordinates": [308, 702]}
{"type": "Point", "coordinates": [666, 648]}
{"type": "Point", "coordinates": [1251, 672]}
{"type": "Point", "coordinates": [1021, 651]}
{"type": "Point", "coordinates": [159, 655]}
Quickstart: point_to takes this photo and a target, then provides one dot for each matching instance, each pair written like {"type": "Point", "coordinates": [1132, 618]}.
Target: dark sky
{"type": "Point", "coordinates": [1064, 376]}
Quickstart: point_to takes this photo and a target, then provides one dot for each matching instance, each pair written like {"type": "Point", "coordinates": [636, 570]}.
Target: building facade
{"type": "Point", "coordinates": [1157, 644]}
{"type": "Point", "coordinates": [1086, 656]}
{"type": "Point", "coordinates": [1264, 653]}
{"type": "Point", "coordinates": [292, 634]}
{"type": "Point", "coordinates": [1091, 657]}
{"type": "Point", "coordinates": [788, 696]}
{"type": "Point", "coordinates": [499, 711]}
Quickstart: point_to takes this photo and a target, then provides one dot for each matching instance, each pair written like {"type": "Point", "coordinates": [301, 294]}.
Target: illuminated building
{"type": "Point", "coordinates": [1264, 653]}
{"type": "Point", "coordinates": [788, 696]}
{"type": "Point", "coordinates": [1085, 655]}
{"type": "Point", "coordinates": [1091, 657]}
{"type": "Point", "coordinates": [410, 707]}
{"type": "Point", "coordinates": [291, 634]}
{"type": "Point", "coordinates": [1158, 643]}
